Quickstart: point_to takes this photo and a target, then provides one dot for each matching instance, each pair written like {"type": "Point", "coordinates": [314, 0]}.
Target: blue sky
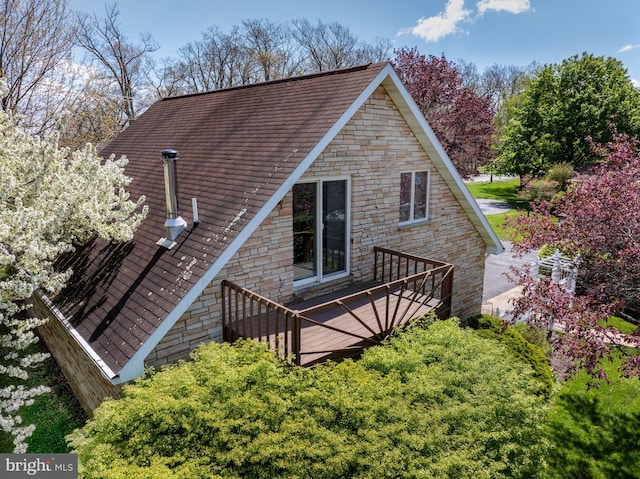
{"type": "Point", "coordinates": [485, 32]}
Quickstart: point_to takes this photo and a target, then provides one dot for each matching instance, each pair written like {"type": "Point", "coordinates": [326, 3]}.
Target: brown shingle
{"type": "Point", "coordinates": [237, 147]}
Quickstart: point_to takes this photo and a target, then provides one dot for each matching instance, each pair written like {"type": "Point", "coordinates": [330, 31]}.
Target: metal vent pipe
{"type": "Point", "coordinates": [174, 223]}
{"type": "Point", "coordinates": [169, 158]}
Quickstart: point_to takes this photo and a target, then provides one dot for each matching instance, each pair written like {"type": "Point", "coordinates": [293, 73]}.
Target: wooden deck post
{"type": "Point", "coordinates": [447, 295]}
{"type": "Point", "coordinates": [295, 338]}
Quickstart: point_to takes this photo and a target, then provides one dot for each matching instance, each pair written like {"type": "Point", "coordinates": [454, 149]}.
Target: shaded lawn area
{"type": "Point", "coordinates": [595, 431]}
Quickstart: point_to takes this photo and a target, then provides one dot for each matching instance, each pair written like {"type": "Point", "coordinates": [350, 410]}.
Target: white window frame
{"type": "Point", "coordinates": [320, 277]}
{"type": "Point", "coordinates": [411, 219]}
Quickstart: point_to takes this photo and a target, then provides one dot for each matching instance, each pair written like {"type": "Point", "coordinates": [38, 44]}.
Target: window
{"type": "Point", "coordinates": [320, 230]}
{"type": "Point", "coordinates": [414, 196]}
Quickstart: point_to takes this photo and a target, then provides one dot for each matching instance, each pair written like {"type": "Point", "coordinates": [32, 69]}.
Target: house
{"type": "Point", "coordinates": [284, 190]}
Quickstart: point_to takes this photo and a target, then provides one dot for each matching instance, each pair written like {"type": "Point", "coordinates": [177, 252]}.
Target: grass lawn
{"type": "Point", "coordinates": [55, 414]}
{"type": "Point", "coordinates": [595, 432]}
{"type": "Point", "coordinates": [594, 427]}
{"type": "Point", "coordinates": [620, 324]}
{"type": "Point", "coordinates": [499, 190]}
{"type": "Point", "coordinates": [497, 223]}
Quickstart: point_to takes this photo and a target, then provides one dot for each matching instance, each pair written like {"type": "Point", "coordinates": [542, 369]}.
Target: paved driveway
{"type": "Point", "coordinates": [498, 290]}
{"type": "Point", "coordinates": [493, 207]}
{"type": "Point", "coordinates": [496, 267]}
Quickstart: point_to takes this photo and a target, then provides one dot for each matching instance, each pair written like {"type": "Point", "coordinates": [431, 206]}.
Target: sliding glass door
{"type": "Point", "coordinates": [320, 230]}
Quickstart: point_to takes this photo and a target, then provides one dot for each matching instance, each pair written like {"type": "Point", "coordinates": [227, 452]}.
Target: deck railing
{"type": "Point", "coordinates": [246, 314]}
{"type": "Point", "coordinates": [392, 265]}
{"type": "Point", "coordinates": [408, 285]}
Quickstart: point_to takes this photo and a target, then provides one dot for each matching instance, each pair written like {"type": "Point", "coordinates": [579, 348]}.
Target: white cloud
{"type": "Point", "coordinates": [511, 6]}
{"type": "Point", "coordinates": [626, 48]}
{"type": "Point", "coordinates": [433, 29]}
{"type": "Point", "coordinates": [635, 82]}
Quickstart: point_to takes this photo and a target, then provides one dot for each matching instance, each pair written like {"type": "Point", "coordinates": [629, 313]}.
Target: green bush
{"type": "Point", "coordinates": [560, 173]}
{"type": "Point", "coordinates": [435, 402]}
{"type": "Point", "coordinates": [535, 335]}
{"type": "Point", "coordinates": [539, 189]}
{"type": "Point", "coordinates": [535, 356]}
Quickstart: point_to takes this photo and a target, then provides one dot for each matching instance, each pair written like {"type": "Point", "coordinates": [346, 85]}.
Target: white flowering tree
{"type": "Point", "coordinates": [51, 200]}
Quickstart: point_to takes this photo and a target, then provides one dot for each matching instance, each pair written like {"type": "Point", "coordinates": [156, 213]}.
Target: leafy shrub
{"type": "Point", "coordinates": [539, 189]}
{"type": "Point", "coordinates": [545, 251]}
{"type": "Point", "coordinates": [495, 328]}
{"type": "Point", "coordinates": [560, 173]}
{"type": "Point", "coordinates": [435, 402]}
{"type": "Point", "coordinates": [547, 187]}
{"type": "Point", "coordinates": [535, 335]}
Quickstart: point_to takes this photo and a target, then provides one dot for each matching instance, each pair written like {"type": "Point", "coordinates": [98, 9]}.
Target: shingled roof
{"type": "Point", "coordinates": [241, 150]}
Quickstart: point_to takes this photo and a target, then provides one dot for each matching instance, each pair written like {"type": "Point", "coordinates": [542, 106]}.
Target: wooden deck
{"type": "Point", "coordinates": [344, 329]}
{"type": "Point", "coordinates": [342, 324]}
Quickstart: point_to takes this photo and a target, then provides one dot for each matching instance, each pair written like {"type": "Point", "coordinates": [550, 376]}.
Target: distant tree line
{"type": "Point", "coordinates": [262, 50]}
{"type": "Point", "coordinates": [118, 77]}
{"type": "Point", "coordinates": [520, 120]}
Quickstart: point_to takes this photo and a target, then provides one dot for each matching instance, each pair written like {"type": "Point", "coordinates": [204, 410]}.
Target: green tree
{"type": "Point", "coordinates": [563, 107]}
{"type": "Point", "coordinates": [436, 402]}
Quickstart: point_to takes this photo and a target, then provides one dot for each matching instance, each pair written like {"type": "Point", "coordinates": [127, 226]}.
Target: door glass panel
{"type": "Point", "coordinates": [334, 244]}
{"type": "Point", "coordinates": [304, 231]}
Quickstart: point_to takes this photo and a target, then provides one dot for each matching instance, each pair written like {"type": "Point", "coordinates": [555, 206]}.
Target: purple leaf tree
{"type": "Point", "coordinates": [597, 218]}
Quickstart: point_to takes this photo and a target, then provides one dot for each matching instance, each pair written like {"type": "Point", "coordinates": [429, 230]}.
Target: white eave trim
{"type": "Point", "coordinates": [105, 370]}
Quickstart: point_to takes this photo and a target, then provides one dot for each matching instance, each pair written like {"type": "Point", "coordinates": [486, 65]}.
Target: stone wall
{"type": "Point", "coordinates": [262, 264]}
{"type": "Point", "coordinates": [85, 378]}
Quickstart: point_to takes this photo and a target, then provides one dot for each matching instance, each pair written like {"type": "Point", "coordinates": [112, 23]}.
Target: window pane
{"type": "Point", "coordinates": [420, 193]}
{"type": "Point", "coordinates": [304, 230]}
{"type": "Point", "coordinates": [405, 197]}
{"type": "Point", "coordinates": [334, 243]}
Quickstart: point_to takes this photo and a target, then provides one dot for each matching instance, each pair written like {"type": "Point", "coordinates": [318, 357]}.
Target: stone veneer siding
{"type": "Point", "coordinates": [84, 376]}
{"type": "Point", "coordinates": [372, 149]}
